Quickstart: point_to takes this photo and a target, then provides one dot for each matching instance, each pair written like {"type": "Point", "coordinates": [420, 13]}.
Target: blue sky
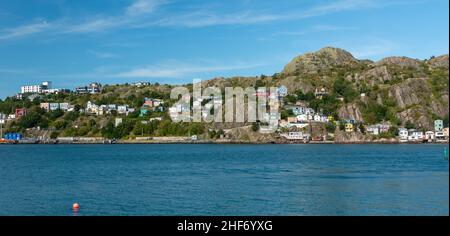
{"type": "Point", "coordinates": [173, 41]}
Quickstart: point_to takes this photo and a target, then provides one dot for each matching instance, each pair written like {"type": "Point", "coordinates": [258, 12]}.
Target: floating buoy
{"type": "Point", "coordinates": [75, 206]}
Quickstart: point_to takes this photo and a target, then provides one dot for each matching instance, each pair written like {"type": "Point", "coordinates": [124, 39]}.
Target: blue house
{"type": "Point", "coordinates": [13, 136]}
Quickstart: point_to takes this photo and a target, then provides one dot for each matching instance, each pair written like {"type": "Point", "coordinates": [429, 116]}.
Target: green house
{"type": "Point", "coordinates": [438, 125]}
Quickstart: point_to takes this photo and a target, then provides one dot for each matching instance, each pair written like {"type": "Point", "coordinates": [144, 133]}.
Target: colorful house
{"type": "Point", "coordinates": [349, 127]}
{"type": "Point", "coordinates": [13, 136]}
{"type": "Point", "coordinates": [438, 125]}
{"type": "Point", "coordinates": [20, 112]}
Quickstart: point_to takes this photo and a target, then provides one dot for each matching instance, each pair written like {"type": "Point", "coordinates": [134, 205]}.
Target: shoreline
{"type": "Point", "coordinates": [147, 142]}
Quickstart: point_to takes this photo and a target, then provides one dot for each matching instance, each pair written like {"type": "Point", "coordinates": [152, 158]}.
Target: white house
{"type": "Point", "coordinates": [403, 134]}
{"type": "Point", "coordinates": [375, 130]}
{"type": "Point", "coordinates": [282, 91]}
{"type": "Point", "coordinates": [64, 106]}
{"type": "Point", "coordinates": [53, 106]}
{"type": "Point", "coordinates": [296, 136]}
{"type": "Point", "coordinates": [415, 136]}
{"type": "Point", "coordinates": [302, 118]}
{"type": "Point", "coordinates": [122, 109]}
{"type": "Point", "coordinates": [118, 121]}
{"type": "Point", "coordinates": [429, 135]}
{"type": "Point", "coordinates": [91, 108]}
{"type": "Point", "coordinates": [310, 111]}
{"type": "Point", "coordinates": [298, 110]}
{"type": "Point", "coordinates": [317, 118]}
{"type": "Point", "coordinates": [440, 137]}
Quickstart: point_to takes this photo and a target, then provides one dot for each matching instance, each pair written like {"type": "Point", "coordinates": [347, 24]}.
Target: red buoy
{"type": "Point", "coordinates": [75, 206]}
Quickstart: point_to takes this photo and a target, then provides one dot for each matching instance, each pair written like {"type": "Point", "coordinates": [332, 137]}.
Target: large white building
{"type": "Point", "coordinates": [36, 88]}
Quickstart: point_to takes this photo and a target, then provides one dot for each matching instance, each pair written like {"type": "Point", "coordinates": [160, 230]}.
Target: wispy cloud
{"type": "Point", "coordinates": [176, 69]}
{"type": "Point", "coordinates": [103, 55]}
{"type": "Point", "coordinates": [94, 25]}
{"type": "Point", "coordinates": [142, 13]}
{"type": "Point", "coordinates": [25, 30]}
{"type": "Point", "coordinates": [144, 7]}
{"type": "Point", "coordinates": [130, 16]}
{"type": "Point", "coordinates": [99, 23]}
{"type": "Point", "coordinates": [203, 18]}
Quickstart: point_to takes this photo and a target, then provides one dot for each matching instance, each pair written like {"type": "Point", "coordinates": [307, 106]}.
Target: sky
{"type": "Point", "coordinates": [72, 43]}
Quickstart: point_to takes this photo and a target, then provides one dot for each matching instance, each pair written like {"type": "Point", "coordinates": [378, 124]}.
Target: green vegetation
{"type": "Point", "coordinates": [345, 89]}
{"type": "Point", "coordinates": [330, 127]}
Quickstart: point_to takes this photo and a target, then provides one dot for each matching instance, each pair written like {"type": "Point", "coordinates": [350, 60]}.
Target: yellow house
{"type": "Point", "coordinates": [348, 127]}
{"type": "Point", "coordinates": [330, 119]}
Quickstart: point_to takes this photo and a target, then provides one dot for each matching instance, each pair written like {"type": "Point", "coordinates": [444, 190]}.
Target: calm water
{"type": "Point", "coordinates": [224, 180]}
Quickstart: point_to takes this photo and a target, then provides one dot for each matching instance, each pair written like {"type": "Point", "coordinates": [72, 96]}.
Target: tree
{"type": "Point", "coordinates": [341, 125]}
{"type": "Point", "coordinates": [255, 127]}
{"type": "Point", "coordinates": [60, 124]}
{"type": "Point", "coordinates": [54, 135]}
{"type": "Point", "coordinates": [108, 131]}
{"type": "Point", "coordinates": [330, 127]}
{"type": "Point", "coordinates": [362, 128]}
{"type": "Point", "coordinates": [77, 108]}
{"type": "Point", "coordinates": [345, 89]}
{"type": "Point", "coordinates": [410, 125]}
{"type": "Point", "coordinates": [31, 119]}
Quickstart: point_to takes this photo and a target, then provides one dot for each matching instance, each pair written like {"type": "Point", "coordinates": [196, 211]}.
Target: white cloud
{"type": "Point", "coordinates": [143, 13]}
{"type": "Point", "coordinates": [204, 18]}
{"type": "Point", "coordinates": [144, 6]}
{"type": "Point", "coordinates": [95, 25]}
{"type": "Point", "coordinates": [103, 55]}
{"type": "Point", "coordinates": [25, 30]}
{"type": "Point", "coordinates": [338, 6]}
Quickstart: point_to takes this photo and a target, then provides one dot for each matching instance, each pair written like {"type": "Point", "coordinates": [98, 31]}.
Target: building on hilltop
{"type": "Point", "coordinates": [37, 88]}
{"type": "Point", "coordinates": [92, 88]}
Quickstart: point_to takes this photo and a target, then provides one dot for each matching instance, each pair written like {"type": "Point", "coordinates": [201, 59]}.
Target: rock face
{"type": "Point", "coordinates": [400, 61]}
{"type": "Point", "coordinates": [342, 137]}
{"type": "Point", "coordinates": [372, 76]}
{"type": "Point", "coordinates": [408, 92]}
{"type": "Point", "coordinates": [441, 61]}
{"type": "Point", "coordinates": [350, 112]}
{"type": "Point", "coordinates": [323, 59]}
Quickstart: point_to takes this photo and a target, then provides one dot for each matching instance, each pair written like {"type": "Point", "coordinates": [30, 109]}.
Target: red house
{"type": "Point", "coordinates": [20, 112]}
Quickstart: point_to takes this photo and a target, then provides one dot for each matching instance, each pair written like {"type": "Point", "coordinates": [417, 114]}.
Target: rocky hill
{"type": "Point", "coordinates": [397, 90]}
{"type": "Point", "coordinates": [403, 89]}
